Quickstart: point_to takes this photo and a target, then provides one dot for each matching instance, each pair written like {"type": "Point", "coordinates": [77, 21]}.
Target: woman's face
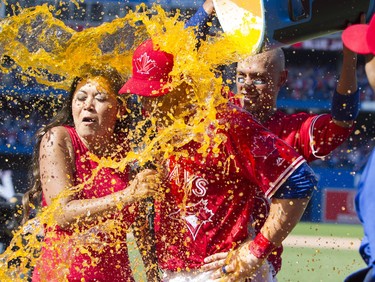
{"type": "Point", "coordinates": [94, 109]}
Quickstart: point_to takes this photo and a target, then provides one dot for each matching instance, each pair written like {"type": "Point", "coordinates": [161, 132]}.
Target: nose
{"type": "Point", "coordinates": [248, 83]}
{"type": "Point", "coordinates": [89, 103]}
{"type": "Point", "coordinates": [247, 80]}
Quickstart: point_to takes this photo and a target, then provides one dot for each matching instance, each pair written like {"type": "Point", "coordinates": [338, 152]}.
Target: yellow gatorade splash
{"type": "Point", "coordinates": [38, 42]}
{"type": "Point", "coordinates": [54, 48]}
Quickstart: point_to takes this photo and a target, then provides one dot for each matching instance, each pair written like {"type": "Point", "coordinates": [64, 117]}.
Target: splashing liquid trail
{"type": "Point", "coordinates": [41, 45]}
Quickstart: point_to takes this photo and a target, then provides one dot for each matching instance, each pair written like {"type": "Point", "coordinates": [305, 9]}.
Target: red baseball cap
{"type": "Point", "coordinates": [360, 38]}
{"type": "Point", "coordinates": [151, 68]}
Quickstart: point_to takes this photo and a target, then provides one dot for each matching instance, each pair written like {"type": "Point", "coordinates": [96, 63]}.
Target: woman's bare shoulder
{"type": "Point", "coordinates": [56, 136]}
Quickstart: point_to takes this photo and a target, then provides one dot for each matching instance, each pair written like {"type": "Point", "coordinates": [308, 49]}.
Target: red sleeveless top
{"type": "Point", "coordinates": [92, 253]}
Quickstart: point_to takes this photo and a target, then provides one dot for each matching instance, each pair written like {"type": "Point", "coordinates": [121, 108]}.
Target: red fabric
{"type": "Point", "coordinates": [61, 257]}
{"type": "Point", "coordinates": [209, 200]}
{"type": "Point", "coordinates": [298, 130]}
{"type": "Point", "coordinates": [261, 247]}
{"type": "Point", "coordinates": [313, 136]}
{"type": "Point", "coordinates": [360, 38]}
{"type": "Point", "coordinates": [231, 97]}
{"type": "Point", "coordinates": [151, 68]}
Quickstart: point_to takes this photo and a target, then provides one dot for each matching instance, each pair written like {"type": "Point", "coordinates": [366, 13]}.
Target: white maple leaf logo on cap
{"type": "Point", "coordinates": [144, 64]}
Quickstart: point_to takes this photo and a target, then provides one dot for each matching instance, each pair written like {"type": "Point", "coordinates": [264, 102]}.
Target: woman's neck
{"type": "Point", "coordinates": [103, 146]}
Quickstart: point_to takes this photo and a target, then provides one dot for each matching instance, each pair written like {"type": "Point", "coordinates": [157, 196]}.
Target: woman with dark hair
{"type": "Point", "coordinates": [92, 207]}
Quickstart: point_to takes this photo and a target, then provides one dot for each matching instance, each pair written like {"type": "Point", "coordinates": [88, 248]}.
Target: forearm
{"type": "Point", "coordinates": [250, 255]}
{"type": "Point", "coordinates": [344, 109]}
{"type": "Point", "coordinates": [200, 21]}
{"type": "Point", "coordinates": [88, 211]}
{"type": "Point", "coordinates": [347, 83]}
{"type": "Point", "coordinates": [283, 217]}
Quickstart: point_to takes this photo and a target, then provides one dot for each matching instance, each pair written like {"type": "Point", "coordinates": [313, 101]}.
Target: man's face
{"type": "Point", "coordinates": [259, 80]}
{"type": "Point", "coordinates": [177, 102]}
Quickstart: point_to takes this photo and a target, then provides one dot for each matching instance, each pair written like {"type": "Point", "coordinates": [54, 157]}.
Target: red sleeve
{"type": "Point", "coordinates": [261, 155]}
{"type": "Point", "coordinates": [318, 136]}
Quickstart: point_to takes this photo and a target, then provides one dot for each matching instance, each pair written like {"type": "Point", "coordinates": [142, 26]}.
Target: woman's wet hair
{"type": "Point", "coordinates": [65, 117]}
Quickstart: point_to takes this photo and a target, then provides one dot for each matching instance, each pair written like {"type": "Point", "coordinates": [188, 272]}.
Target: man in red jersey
{"type": "Point", "coordinates": [209, 198]}
{"type": "Point", "coordinates": [314, 136]}
{"type": "Point", "coordinates": [259, 79]}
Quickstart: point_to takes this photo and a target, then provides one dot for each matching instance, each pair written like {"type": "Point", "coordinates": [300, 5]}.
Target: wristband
{"type": "Point", "coordinates": [261, 247]}
{"type": "Point", "coordinates": [345, 107]}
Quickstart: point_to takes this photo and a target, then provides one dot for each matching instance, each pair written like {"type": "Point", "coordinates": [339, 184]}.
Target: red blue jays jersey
{"type": "Point", "coordinates": [209, 199]}
{"type": "Point", "coordinates": [313, 136]}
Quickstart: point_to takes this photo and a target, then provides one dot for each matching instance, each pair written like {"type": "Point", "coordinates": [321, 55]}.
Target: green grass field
{"type": "Point", "coordinates": [304, 264]}
{"type": "Point", "coordinates": [328, 229]}
{"type": "Point", "coordinates": [318, 264]}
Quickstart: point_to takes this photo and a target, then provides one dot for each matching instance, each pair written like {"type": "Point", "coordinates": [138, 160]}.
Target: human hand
{"type": "Point", "coordinates": [233, 266]}
{"type": "Point", "coordinates": [208, 6]}
{"type": "Point", "coordinates": [347, 52]}
{"type": "Point", "coordinates": [215, 262]}
{"type": "Point", "coordinates": [145, 184]}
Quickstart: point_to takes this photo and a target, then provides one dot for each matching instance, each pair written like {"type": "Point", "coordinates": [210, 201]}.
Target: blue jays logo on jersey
{"type": "Point", "coordinates": [194, 215]}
